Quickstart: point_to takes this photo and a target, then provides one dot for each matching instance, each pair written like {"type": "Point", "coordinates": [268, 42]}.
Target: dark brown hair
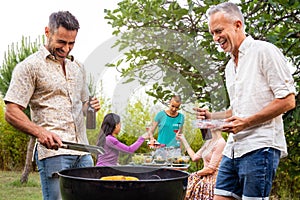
{"type": "Point", "coordinates": [64, 19]}
{"type": "Point", "coordinates": [107, 127]}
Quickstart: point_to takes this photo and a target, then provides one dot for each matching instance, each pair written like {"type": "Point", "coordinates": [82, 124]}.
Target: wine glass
{"type": "Point", "coordinates": [175, 130]}
{"type": "Point", "coordinates": [177, 141]}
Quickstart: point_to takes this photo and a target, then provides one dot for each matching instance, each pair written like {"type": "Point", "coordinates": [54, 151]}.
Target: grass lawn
{"type": "Point", "coordinates": [11, 188]}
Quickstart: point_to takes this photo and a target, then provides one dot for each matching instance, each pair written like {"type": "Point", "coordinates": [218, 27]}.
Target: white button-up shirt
{"type": "Point", "coordinates": [55, 99]}
{"type": "Point", "coordinates": [261, 76]}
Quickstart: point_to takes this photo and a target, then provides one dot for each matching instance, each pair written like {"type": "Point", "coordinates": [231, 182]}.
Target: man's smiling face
{"type": "Point", "coordinates": [224, 31]}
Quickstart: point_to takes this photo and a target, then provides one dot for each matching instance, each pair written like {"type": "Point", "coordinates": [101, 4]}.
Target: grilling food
{"type": "Point", "coordinates": [119, 178]}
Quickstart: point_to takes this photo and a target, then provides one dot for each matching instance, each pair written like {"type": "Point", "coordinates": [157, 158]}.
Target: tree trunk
{"type": "Point", "coordinates": [28, 164]}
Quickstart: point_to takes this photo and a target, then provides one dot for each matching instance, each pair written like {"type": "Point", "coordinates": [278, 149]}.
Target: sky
{"type": "Point", "coordinates": [29, 17]}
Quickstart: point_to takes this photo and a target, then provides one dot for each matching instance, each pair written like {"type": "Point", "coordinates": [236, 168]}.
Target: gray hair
{"type": "Point", "coordinates": [64, 19]}
{"type": "Point", "coordinates": [229, 9]}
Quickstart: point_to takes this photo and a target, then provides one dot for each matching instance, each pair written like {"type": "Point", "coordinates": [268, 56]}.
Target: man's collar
{"type": "Point", "coordinates": [245, 44]}
{"type": "Point", "coordinates": [47, 54]}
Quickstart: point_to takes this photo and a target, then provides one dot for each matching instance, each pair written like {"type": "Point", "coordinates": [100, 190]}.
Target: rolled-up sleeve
{"type": "Point", "coordinates": [278, 73]}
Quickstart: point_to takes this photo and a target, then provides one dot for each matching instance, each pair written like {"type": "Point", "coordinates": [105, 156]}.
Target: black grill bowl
{"type": "Point", "coordinates": [154, 183]}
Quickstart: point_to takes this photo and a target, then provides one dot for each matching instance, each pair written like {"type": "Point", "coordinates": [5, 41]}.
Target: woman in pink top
{"type": "Point", "coordinates": [201, 183]}
{"type": "Point", "coordinates": [109, 131]}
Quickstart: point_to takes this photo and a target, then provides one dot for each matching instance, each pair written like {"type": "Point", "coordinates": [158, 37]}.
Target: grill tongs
{"type": "Point", "coordinates": [83, 147]}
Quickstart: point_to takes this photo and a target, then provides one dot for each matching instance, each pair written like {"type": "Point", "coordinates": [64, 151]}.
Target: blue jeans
{"type": "Point", "coordinates": [49, 167]}
{"type": "Point", "coordinates": [249, 176]}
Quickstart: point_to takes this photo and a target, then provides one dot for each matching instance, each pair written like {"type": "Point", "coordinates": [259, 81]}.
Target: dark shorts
{"type": "Point", "coordinates": [249, 176]}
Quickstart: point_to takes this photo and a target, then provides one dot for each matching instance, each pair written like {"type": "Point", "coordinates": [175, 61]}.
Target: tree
{"type": "Point", "coordinates": [171, 40]}
{"type": "Point", "coordinates": [168, 43]}
{"type": "Point", "coordinates": [15, 55]}
{"type": "Point", "coordinates": [137, 114]}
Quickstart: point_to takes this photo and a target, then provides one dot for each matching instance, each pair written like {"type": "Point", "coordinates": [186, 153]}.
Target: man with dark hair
{"type": "Point", "coordinates": [54, 85]}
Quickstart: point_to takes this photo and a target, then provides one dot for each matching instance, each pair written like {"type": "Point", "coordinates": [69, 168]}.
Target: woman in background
{"type": "Point", "coordinates": [107, 138]}
{"type": "Point", "coordinates": [201, 183]}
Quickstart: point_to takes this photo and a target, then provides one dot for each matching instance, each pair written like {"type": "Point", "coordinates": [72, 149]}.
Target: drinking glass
{"type": "Point", "coordinates": [176, 128]}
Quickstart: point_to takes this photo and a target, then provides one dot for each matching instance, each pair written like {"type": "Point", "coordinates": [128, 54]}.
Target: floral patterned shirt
{"type": "Point", "coordinates": [55, 99]}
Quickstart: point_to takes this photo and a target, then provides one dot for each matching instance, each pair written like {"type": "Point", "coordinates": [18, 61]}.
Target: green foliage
{"type": "Point", "coordinates": [289, 167]}
{"type": "Point", "coordinates": [165, 42]}
{"type": "Point", "coordinates": [134, 125]}
{"type": "Point", "coordinates": [13, 143]}
{"type": "Point", "coordinates": [170, 41]}
{"type": "Point", "coordinates": [15, 54]}
{"type": "Point", "coordinates": [276, 22]}
{"type": "Point", "coordinates": [136, 117]}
